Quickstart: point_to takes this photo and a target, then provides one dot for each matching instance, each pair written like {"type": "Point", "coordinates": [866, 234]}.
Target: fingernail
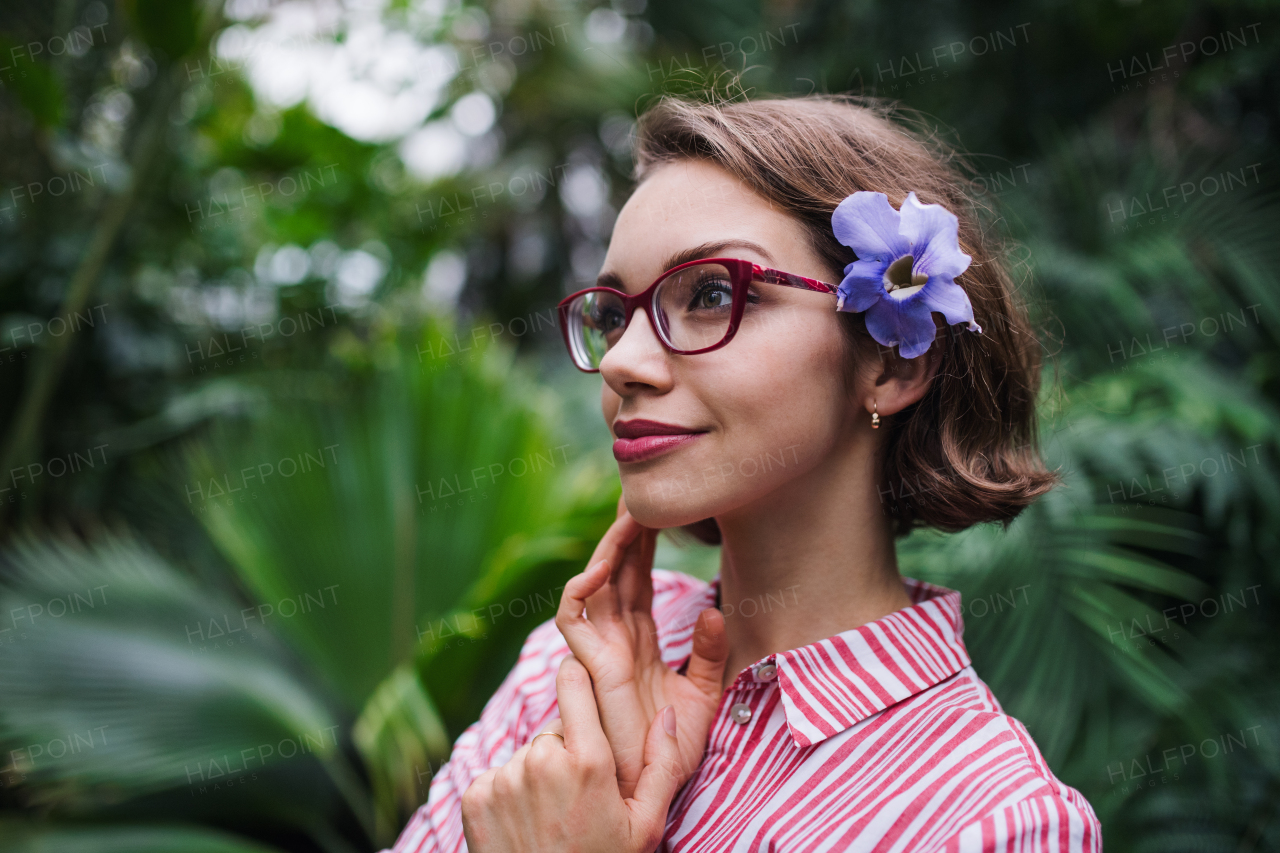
{"type": "Point", "coordinates": [669, 719]}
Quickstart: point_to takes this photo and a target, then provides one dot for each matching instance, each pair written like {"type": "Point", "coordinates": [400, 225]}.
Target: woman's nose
{"type": "Point", "coordinates": [637, 350]}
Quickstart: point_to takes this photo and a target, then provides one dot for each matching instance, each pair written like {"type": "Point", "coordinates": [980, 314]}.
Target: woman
{"type": "Point", "coordinates": [775, 330]}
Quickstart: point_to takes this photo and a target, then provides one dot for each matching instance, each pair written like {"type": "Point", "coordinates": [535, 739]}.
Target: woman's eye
{"type": "Point", "coordinates": [606, 319]}
{"type": "Point", "coordinates": [712, 294]}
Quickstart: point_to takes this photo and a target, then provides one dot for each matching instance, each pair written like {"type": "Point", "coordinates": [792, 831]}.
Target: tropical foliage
{"type": "Point", "coordinates": [292, 460]}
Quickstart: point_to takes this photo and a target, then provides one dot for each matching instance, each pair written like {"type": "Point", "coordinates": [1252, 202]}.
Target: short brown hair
{"type": "Point", "coordinates": [967, 452]}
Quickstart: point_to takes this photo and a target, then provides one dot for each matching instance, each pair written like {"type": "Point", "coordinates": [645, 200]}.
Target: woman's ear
{"type": "Point", "coordinates": [902, 381]}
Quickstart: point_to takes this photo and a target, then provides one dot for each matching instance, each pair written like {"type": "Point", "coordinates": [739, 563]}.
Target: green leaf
{"type": "Point", "coordinates": [35, 83]}
{"type": "Point", "coordinates": [29, 837]}
{"type": "Point", "coordinates": [386, 494]}
{"type": "Point", "coordinates": [401, 739]}
{"type": "Point", "coordinates": [171, 26]}
{"type": "Point", "coordinates": [125, 679]}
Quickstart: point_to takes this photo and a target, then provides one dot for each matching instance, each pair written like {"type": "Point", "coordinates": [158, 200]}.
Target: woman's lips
{"type": "Point", "coordinates": [649, 446]}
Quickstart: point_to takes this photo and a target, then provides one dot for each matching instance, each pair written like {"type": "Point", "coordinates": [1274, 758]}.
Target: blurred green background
{"type": "Point", "coordinates": [292, 459]}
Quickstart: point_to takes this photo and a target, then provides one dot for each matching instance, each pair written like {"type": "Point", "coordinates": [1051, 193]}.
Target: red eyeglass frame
{"type": "Point", "coordinates": [741, 274]}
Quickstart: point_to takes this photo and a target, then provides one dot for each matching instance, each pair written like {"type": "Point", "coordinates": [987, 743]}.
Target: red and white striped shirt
{"type": "Point", "coordinates": [879, 738]}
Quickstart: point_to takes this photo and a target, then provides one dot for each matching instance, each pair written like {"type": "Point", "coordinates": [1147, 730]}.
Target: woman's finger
{"type": "Point", "coordinates": [617, 537]}
{"type": "Point", "coordinates": [635, 577]}
{"type": "Point", "coordinates": [603, 604]}
{"type": "Point", "coordinates": [477, 802]}
{"type": "Point", "coordinates": [583, 735]}
{"type": "Point", "coordinates": [661, 777]}
{"type": "Point", "coordinates": [583, 638]}
{"type": "Point", "coordinates": [710, 653]}
{"type": "Point", "coordinates": [517, 759]}
{"type": "Point", "coordinates": [555, 727]}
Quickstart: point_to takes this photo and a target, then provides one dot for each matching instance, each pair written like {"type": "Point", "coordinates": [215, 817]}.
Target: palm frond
{"type": "Point", "coordinates": [134, 681]}
{"type": "Point", "coordinates": [23, 837]}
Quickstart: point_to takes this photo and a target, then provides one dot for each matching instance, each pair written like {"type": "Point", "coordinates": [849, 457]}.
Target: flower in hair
{"type": "Point", "coordinates": [907, 264]}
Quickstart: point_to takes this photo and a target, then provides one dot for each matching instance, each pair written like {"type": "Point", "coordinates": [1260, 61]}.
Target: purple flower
{"type": "Point", "coordinates": [906, 269]}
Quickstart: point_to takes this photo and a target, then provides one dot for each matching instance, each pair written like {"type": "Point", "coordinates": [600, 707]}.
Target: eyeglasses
{"type": "Point", "coordinates": [686, 306]}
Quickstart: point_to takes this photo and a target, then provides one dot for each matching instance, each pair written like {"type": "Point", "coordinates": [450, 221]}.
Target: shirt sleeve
{"type": "Point", "coordinates": [523, 704]}
{"type": "Point", "coordinates": [1047, 824]}
{"type": "Point", "coordinates": [1057, 820]}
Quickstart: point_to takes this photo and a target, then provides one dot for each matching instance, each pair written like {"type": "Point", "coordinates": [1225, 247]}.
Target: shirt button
{"type": "Point", "coordinates": [741, 713]}
{"type": "Point", "coordinates": [766, 672]}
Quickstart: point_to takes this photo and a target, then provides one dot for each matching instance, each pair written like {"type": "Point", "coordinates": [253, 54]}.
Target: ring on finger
{"type": "Point", "coordinates": [541, 734]}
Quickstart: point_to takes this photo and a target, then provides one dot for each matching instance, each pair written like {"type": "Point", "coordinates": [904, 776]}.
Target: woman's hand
{"type": "Point", "coordinates": [618, 644]}
{"type": "Point", "coordinates": [561, 796]}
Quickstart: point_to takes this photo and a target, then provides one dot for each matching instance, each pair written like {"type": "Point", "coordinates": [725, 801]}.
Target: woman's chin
{"type": "Point", "coordinates": [661, 516]}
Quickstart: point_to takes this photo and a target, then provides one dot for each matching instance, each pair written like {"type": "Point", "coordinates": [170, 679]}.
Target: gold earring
{"type": "Point", "coordinates": [875, 415]}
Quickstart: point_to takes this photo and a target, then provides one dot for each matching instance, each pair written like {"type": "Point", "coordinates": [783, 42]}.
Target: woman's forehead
{"type": "Point", "coordinates": [686, 204]}
{"type": "Point", "coordinates": [681, 187]}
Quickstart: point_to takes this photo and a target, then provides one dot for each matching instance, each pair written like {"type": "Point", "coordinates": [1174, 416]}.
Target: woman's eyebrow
{"type": "Point", "coordinates": [684, 256]}
{"type": "Point", "coordinates": [610, 279]}
{"type": "Point", "coordinates": [712, 249]}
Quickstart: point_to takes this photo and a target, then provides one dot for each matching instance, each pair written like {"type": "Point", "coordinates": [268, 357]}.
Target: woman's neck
{"type": "Point", "coordinates": [797, 567]}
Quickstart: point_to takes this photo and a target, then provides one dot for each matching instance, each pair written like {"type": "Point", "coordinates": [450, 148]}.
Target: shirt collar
{"type": "Point", "coordinates": [833, 684]}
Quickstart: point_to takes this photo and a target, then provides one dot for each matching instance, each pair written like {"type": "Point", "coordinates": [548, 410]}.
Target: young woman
{"type": "Point", "coordinates": [776, 330]}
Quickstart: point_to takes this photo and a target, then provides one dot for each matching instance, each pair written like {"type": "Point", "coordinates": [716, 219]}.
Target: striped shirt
{"type": "Point", "coordinates": [878, 738]}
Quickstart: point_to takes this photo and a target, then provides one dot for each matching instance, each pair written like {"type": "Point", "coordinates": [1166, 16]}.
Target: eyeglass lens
{"type": "Point", "coordinates": [692, 307]}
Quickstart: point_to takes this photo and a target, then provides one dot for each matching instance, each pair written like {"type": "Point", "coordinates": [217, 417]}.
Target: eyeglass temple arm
{"type": "Point", "coordinates": [790, 280]}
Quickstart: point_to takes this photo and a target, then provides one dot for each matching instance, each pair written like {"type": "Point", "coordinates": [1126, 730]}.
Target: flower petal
{"type": "Point", "coordinates": [868, 224]}
{"type": "Point", "coordinates": [933, 230]}
{"type": "Point", "coordinates": [943, 295]}
{"type": "Point", "coordinates": [862, 286]}
{"type": "Point", "coordinates": [907, 323]}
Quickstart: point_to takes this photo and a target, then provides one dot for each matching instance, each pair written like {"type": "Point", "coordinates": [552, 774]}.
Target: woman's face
{"type": "Point", "coordinates": [769, 406]}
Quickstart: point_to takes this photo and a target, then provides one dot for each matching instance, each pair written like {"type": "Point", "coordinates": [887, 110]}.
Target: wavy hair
{"type": "Point", "coordinates": [967, 452]}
